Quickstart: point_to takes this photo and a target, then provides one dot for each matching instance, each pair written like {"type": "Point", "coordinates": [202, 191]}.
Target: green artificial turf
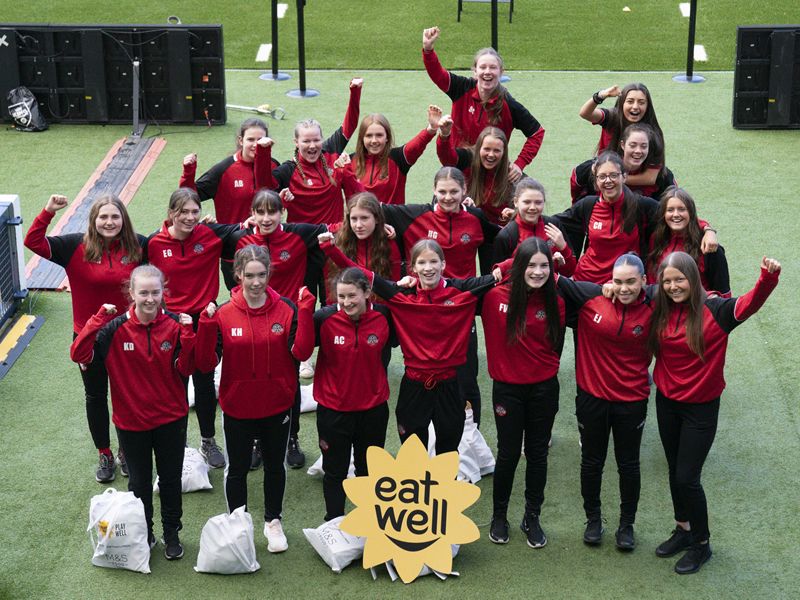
{"type": "Point", "coordinates": [745, 183]}
{"type": "Point", "coordinates": [374, 34]}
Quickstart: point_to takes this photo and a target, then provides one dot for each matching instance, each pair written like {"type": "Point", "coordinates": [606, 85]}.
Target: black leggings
{"type": "Point", "coordinates": [529, 410]}
{"type": "Point", "coordinates": [273, 432]}
{"type": "Point", "coordinates": [339, 432]}
{"type": "Point", "coordinates": [687, 432]}
{"type": "Point", "coordinates": [597, 418]}
{"type": "Point", "coordinates": [95, 387]}
{"type": "Point", "coordinates": [441, 405]}
{"type": "Point", "coordinates": [467, 376]}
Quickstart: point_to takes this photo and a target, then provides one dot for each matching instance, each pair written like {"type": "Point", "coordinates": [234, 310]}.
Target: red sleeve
{"type": "Point", "coordinates": [341, 260]}
{"type": "Point", "coordinates": [436, 71]}
{"type": "Point", "coordinates": [414, 148]}
{"type": "Point", "coordinates": [570, 263]}
{"type": "Point", "coordinates": [187, 178]}
{"type": "Point", "coordinates": [185, 362]}
{"type": "Point", "coordinates": [36, 238]}
{"type": "Point", "coordinates": [304, 336]}
{"type": "Point", "coordinates": [530, 149]}
{"type": "Point", "coordinates": [205, 345]}
{"type": "Point", "coordinates": [262, 169]}
{"type": "Point", "coordinates": [82, 348]}
{"type": "Point", "coordinates": [347, 180]}
{"type": "Point", "coordinates": [748, 304]}
{"type": "Point", "coordinates": [446, 151]}
{"type": "Point", "coordinates": [505, 266]}
{"type": "Point", "coordinates": [350, 123]}
{"type": "Point", "coordinates": [702, 224]}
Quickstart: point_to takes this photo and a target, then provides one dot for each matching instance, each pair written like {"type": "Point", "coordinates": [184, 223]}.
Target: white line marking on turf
{"type": "Point", "coordinates": [263, 52]}
{"type": "Point", "coordinates": [700, 53]}
{"type": "Point", "coordinates": [685, 9]}
{"type": "Point", "coordinates": [282, 8]}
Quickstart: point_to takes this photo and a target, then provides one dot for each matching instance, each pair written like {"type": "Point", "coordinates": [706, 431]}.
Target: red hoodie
{"type": "Point", "coordinates": [145, 364]}
{"type": "Point", "coordinates": [261, 347]}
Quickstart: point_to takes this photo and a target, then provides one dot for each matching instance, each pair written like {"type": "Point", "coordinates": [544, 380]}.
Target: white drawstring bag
{"type": "Point", "coordinates": [307, 402]}
{"type": "Point", "coordinates": [118, 531]}
{"type": "Point", "coordinates": [336, 547]}
{"type": "Point", "coordinates": [227, 545]}
{"type": "Point", "coordinates": [194, 476]}
{"type": "Point", "coordinates": [474, 455]}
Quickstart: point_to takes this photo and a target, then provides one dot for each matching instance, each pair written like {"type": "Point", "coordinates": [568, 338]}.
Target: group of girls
{"type": "Point", "coordinates": [384, 271]}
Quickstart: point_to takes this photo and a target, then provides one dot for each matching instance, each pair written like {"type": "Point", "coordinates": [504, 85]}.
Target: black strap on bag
{"type": "Point", "coordinates": [24, 110]}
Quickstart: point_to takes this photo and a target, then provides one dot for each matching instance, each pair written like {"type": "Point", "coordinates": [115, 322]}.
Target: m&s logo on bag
{"type": "Point", "coordinates": [410, 509]}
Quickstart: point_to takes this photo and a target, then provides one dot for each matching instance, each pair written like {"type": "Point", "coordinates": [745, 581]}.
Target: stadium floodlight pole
{"type": "Point", "coordinates": [301, 57]}
{"type": "Point", "coordinates": [275, 75]}
{"type": "Point", "coordinates": [690, 77]}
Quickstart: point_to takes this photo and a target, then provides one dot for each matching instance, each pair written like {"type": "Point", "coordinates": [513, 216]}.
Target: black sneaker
{"type": "Point", "coordinates": [498, 530]}
{"type": "Point", "coordinates": [173, 549]}
{"type": "Point", "coordinates": [593, 534]}
{"type": "Point", "coordinates": [697, 555]}
{"type": "Point", "coordinates": [533, 530]}
{"type": "Point", "coordinates": [212, 453]}
{"type": "Point", "coordinates": [680, 540]}
{"type": "Point", "coordinates": [256, 458]}
{"type": "Point", "coordinates": [624, 537]}
{"type": "Point", "coordinates": [294, 455]}
{"type": "Point", "coordinates": [123, 464]}
{"type": "Point", "coordinates": [105, 469]}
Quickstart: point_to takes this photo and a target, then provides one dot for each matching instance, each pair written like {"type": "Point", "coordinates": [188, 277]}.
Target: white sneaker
{"type": "Point", "coordinates": [306, 369]}
{"type": "Point", "coordinates": [276, 540]}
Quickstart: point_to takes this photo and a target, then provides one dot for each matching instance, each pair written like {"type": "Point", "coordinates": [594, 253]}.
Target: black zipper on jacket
{"type": "Point", "coordinates": [356, 326]}
{"type": "Point", "coordinates": [622, 323]}
{"type": "Point", "coordinates": [149, 350]}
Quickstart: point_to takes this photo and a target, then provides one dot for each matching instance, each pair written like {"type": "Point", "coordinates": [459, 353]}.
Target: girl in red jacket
{"type": "Point", "coordinates": [350, 386]}
{"type": "Point", "coordinates": [523, 324]}
{"type": "Point", "coordinates": [480, 101]}
{"type": "Point", "coordinates": [147, 353]}
{"type": "Point", "coordinates": [97, 263]}
{"type": "Point", "coordinates": [689, 337]}
{"type": "Point", "coordinates": [262, 336]}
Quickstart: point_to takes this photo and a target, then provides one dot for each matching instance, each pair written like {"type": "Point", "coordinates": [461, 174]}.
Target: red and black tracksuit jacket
{"type": "Point", "coordinates": [713, 266]}
{"type": "Point", "coordinates": [352, 359]}
{"type": "Point", "coordinates": [470, 116]}
{"type": "Point", "coordinates": [232, 183]}
{"type": "Point", "coordinates": [460, 233]}
{"type": "Point", "coordinates": [262, 349]}
{"type": "Point", "coordinates": [580, 182]}
{"type": "Point", "coordinates": [683, 376]}
{"type": "Point", "coordinates": [597, 228]}
{"type": "Point", "coordinates": [191, 265]}
{"type": "Point", "coordinates": [433, 326]}
{"type": "Point", "coordinates": [612, 357]}
{"type": "Point", "coordinates": [391, 189]}
{"type": "Point", "coordinates": [363, 258]}
{"type": "Point", "coordinates": [92, 283]}
{"type": "Point", "coordinates": [145, 364]}
{"type": "Point", "coordinates": [532, 359]}
{"type": "Point", "coordinates": [317, 199]}
{"type": "Point", "coordinates": [517, 231]}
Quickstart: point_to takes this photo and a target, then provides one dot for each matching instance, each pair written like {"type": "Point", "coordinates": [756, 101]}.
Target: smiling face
{"type": "Point", "coordinates": [147, 292]}
{"type": "Point", "coordinates": [491, 151]}
{"type": "Point", "coordinates": [266, 220]}
{"type": "Point", "coordinates": [375, 138]}
{"type": "Point", "coordinates": [248, 142]}
{"type": "Point", "coordinates": [626, 283]}
{"type": "Point", "coordinates": [635, 150]}
{"type": "Point", "coordinates": [676, 215]}
{"type": "Point", "coordinates": [487, 72]}
{"type": "Point", "coordinates": [428, 268]}
{"type": "Point", "coordinates": [309, 143]}
{"type": "Point", "coordinates": [352, 299]}
{"type": "Point", "coordinates": [537, 272]}
{"type": "Point", "coordinates": [609, 180]}
{"type": "Point", "coordinates": [530, 206]}
{"type": "Point", "coordinates": [635, 106]}
{"type": "Point", "coordinates": [254, 277]}
{"type": "Point", "coordinates": [362, 222]}
{"type": "Point", "coordinates": [108, 222]}
{"type": "Point", "coordinates": [449, 194]}
{"type": "Point", "coordinates": [185, 219]}
{"type": "Point", "coordinates": [676, 285]}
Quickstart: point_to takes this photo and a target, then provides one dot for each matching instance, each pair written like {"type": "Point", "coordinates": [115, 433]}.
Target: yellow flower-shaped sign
{"type": "Point", "coordinates": [410, 509]}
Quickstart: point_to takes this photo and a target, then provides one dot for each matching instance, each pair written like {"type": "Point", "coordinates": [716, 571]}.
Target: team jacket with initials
{"type": "Point", "coordinates": [191, 266]}
{"type": "Point", "coordinates": [261, 347]}
{"type": "Point", "coordinates": [92, 284]}
{"type": "Point", "coordinates": [352, 359]}
{"type": "Point", "coordinates": [612, 356]}
{"type": "Point", "coordinates": [232, 182]}
{"type": "Point", "coordinates": [432, 326]}
{"type": "Point", "coordinates": [294, 252]}
{"type": "Point", "coordinates": [470, 116]}
{"type": "Point", "coordinates": [317, 199]}
{"type": "Point", "coordinates": [598, 224]}
{"type": "Point", "coordinates": [713, 266]}
{"type": "Point", "coordinates": [533, 358]}
{"type": "Point", "coordinates": [580, 182]}
{"type": "Point", "coordinates": [679, 373]}
{"type": "Point", "coordinates": [458, 233]}
{"type": "Point", "coordinates": [145, 364]}
{"type": "Point", "coordinates": [517, 231]}
{"type": "Point", "coordinates": [391, 189]}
